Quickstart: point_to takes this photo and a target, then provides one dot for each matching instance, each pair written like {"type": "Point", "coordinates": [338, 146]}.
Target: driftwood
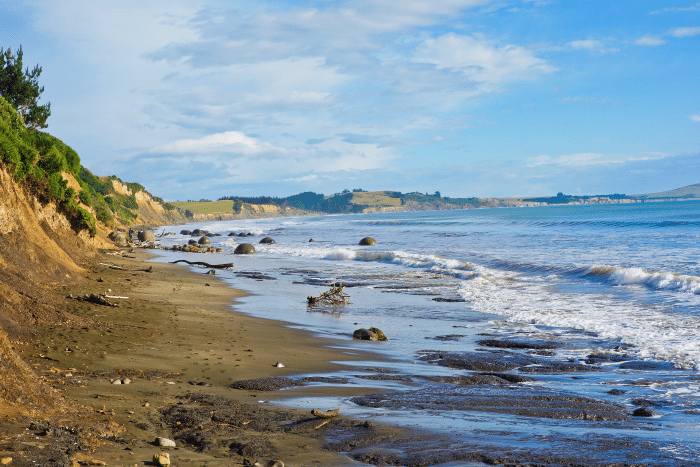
{"type": "Point", "coordinates": [114, 266]}
{"type": "Point", "coordinates": [334, 296]}
{"type": "Point", "coordinates": [327, 414]}
{"type": "Point", "coordinates": [96, 299]}
{"type": "Point", "coordinates": [202, 263]}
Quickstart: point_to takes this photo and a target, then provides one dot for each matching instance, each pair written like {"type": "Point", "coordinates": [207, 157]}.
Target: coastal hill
{"type": "Point", "coordinates": [686, 192]}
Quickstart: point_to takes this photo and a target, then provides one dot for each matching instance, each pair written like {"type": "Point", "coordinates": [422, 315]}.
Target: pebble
{"type": "Point", "coordinates": [280, 365]}
{"type": "Point", "coordinates": [165, 442]}
{"type": "Point", "coordinates": [5, 460]}
{"type": "Point", "coordinates": [162, 459]}
{"type": "Point", "coordinates": [117, 381]}
{"type": "Point", "coordinates": [126, 381]}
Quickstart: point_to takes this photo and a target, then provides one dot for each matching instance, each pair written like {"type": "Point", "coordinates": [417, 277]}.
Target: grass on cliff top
{"type": "Point", "coordinates": [205, 207]}
{"type": "Point", "coordinates": [375, 199]}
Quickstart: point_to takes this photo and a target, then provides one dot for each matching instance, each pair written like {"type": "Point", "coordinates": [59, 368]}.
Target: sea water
{"type": "Point", "coordinates": [597, 279]}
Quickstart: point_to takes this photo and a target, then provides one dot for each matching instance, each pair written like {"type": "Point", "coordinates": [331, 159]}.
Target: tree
{"type": "Point", "coordinates": [21, 89]}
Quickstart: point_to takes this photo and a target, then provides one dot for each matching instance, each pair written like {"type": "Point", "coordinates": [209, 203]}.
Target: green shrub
{"type": "Point", "coordinates": [57, 185]}
{"type": "Point", "coordinates": [86, 222]}
{"type": "Point", "coordinates": [84, 197]}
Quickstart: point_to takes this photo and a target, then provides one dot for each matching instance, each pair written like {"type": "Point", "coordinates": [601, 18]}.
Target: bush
{"type": "Point", "coordinates": [85, 198]}
{"type": "Point", "coordinates": [57, 185]}
{"type": "Point", "coordinates": [86, 222]}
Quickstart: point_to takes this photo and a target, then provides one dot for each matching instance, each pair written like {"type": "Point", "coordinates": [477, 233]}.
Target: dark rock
{"type": "Point", "coordinates": [244, 249]}
{"type": "Point", "coordinates": [646, 366]}
{"type": "Point", "coordinates": [371, 334]}
{"type": "Point", "coordinates": [192, 241]}
{"type": "Point", "coordinates": [594, 359]}
{"type": "Point", "coordinates": [368, 241]}
{"type": "Point", "coordinates": [517, 400]}
{"type": "Point", "coordinates": [616, 392]}
{"type": "Point", "coordinates": [519, 344]}
{"type": "Point", "coordinates": [468, 380]}
{"type": "Point", "coordinates": [267, 241]}
{"type": "Point", "coordinates": [185, 232]}
{"type": "Point", "coordinates": [449, 300]}
{"type": "Point", "coordinates": [645, 412]}
{"type": "Point", "coordinates": [232, 234]}
{"type": "Point", "coordinates": [204, 241]}
{"type": "Point", "coordinates": [479, 361]}
{"type": "Point", "coordinates": [647, 403]}
{"type": "Point", "coordinates": [311, 240]}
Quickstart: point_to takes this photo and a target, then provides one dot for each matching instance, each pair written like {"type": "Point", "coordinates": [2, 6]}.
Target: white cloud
{"type": "Point", "coordinates": [695, 118]}
{"type": "Point", "coordinates": [593, 46]}
{"type": "Point", "coordinates": [685, 32]}
{"type": "Point", "coordinates": [229, 142]}
{"type": "Point", "coordinates": [589, 159]}
{"type": "Point", "coordinates": [649, 41]}
{"type": "Point", "coordinates": [480, 60]}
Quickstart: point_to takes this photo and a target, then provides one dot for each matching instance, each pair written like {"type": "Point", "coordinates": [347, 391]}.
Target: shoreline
{"type": "Point", "coordinates": [177, 333]}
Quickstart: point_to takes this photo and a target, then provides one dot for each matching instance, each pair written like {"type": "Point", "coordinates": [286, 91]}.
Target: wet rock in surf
{"type": "Point", "coordinates": [594, 359]}
{"type": "Point", "coordinates": [479, 361]}
{"type": "Point", "coordinates": [244, 249]}
{"type": "Point", "coordinates": [647, 366]}
{"type": "Point", "coordinates": [368, 241]}
{"type": "Point", "coordinates": [468, 380]}
{"type": "Point", "coordinates": [519, 344]}
{"type": "Point", "coordinates": [185, 232]}
{"type": "Point", "coordinates": [371, 334]}
{"type": "Point", "coordinates": [204, 241]}
{"type": "Point", "coordinates": [267, 241]}
{"type": "Point", "coordinates": [192, 241]}
{"type": "Point", "coordinates": [514, 400]}
{"type": "Point", "coordinates": [645, 412]}
{"type": "Point", "coordinates": [232, 234]}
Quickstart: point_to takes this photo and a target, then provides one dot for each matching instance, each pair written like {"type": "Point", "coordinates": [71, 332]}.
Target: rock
{"type": "Point", "coordinates": [270, 463]}
{"type": "Point", "coordinates": [147, 236]}
{"type": "Point", "coordinates": [199, 232]}
{"type": "Point", "coordinates": [371, 334]}
{"type": "Point", "coordinates": [185, 232]}
{"type": "Point", "coordinates": [165, 442]}
{"type": "Point", "coordinates": [117, 381]}
{"type": "Point", "coordinates": [118, 238]}
{"type": "Point", "coordinates": [267, 241]}
{"type": "Point", "coordinates": [232, 234]}
{"type": "Point", "coordinates": [204, 241]}
{"type": "Point", "coordinates": [645, 412]}
{"type": "Point", "coordinates": [368, 241]}
{"type": "Point", "coordinates": [280, 365]}
{"type": "Point", "coordinates": [211, 272]}
{"type": "Point", "coordinates": [126, 381]}
{"type": "Point", "coordinates": [244, 249]}
{"type": "Point", "coordinates": [162, 459]}
{"type": "Point", "coordinates": [192, 241]}
{"type": "Point", "coordinates": [311, 240]}
{"type": "Point", "coordinates": [5, 460]}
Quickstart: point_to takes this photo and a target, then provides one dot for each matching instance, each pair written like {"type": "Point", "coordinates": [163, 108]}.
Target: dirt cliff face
{"type": "Point", "coordinates": [38, 254]}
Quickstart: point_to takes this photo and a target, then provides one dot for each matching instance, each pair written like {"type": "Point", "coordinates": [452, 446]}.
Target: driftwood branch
{"type": "Point", "coordinates": [114, 266]}
{"type": "Point", "coordinates": [202, 263]}
{"type": "Point", "coordinates": [327, 414]}
{"type": "Point", "coordinates": [334, 296]}
{"type": "Point", "coordinates": [96, 299]}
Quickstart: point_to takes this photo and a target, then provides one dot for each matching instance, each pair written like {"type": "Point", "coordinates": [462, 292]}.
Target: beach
{"type": "Point", "coordinates": [176, 334]}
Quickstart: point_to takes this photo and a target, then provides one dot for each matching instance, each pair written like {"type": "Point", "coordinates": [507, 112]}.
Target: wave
{"type": "Point", "coordinates": [619, 275]}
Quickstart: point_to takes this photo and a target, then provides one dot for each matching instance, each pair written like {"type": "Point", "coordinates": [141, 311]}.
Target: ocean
{"type": "Point", "coordinates": [591, 304]}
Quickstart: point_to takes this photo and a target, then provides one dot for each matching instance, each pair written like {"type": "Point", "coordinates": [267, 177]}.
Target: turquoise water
{"type": "Point", "coordinates": [593, 278]}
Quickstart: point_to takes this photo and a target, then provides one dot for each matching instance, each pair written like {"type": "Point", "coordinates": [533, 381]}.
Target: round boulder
{"type": "Point", "coordinates": [185, 232]}
{"type": "Point", "coordinates": [368, 241]}
{"type": "Point", "coordinates": [267, 241]}
{"type": "Point", "coordinates": [118, 238]}
{"type": "Point", "coordinates": [232, 234]}
{"type": "Point", "coordinates": [645, 412]}
{"type": "Point", "coordinates": [204, 241]}
{"type": "Point", "coordinates": [371, 334]}
{"type": "Point", "coordinates": [147, 236]}
{"type": "Point", "coordinates": [244, 249]}
{"type": "Point", "coordinates": [192, 241]}
{"type": "Point", "coordinates": [311, 240]}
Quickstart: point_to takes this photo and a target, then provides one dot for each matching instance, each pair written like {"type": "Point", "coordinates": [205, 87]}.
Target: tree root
{"type": "Point", "coordinates": [334, 296]}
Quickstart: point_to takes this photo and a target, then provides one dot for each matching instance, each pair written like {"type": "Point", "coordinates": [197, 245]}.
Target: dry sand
{"type": "Point", "coordinates": [175, 334]}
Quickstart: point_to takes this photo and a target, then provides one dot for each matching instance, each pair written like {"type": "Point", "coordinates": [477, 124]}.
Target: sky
{"type": "Point", "coordinates": [202, 99]}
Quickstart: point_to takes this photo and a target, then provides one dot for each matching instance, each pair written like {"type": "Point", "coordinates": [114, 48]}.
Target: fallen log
{"type": "Point", "coordinates": [334, 296]}
{"type": "Point", "coordinates": [202, 263]}
{"type": "Point", "coordinates": [114, 266]}
{"type": "Point", "coordinates": [327, 414]}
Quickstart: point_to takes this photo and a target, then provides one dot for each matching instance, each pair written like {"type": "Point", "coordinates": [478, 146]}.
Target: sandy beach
{"type": "Point", "coordinates": [173, 334]}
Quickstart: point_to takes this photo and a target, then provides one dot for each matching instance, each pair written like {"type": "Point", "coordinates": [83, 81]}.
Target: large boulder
{"type": "Point", "coordinates": [147, 236]}
{"type": "Point", "coordinates": [267, 241]}
{"type": "Point", "coordinates": [185, 232]}
{"type": "Point", "coordinates": [244, 249]}
{"type": "Point", "coordinates": [371, 334]}
{"type": "Point", "coordinates": [204, 241]}
{"type": "Point", "coordinates": [118, 238]}
{"type": "Point", "coordinates": [368, 241]}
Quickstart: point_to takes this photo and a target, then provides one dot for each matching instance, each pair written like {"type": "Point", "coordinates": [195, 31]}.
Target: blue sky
{"type": "Point", "coordinates": [202, 99]}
